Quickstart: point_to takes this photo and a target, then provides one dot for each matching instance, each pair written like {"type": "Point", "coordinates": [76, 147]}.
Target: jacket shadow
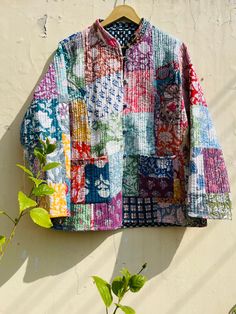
{"type": "Point", "coordinates": [39, 247]}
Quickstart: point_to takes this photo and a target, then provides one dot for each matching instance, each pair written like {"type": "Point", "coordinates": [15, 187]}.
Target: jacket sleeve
{"type": "Point", "coordinates": [208, 190]}
{"type": "Point", "coordinates": [47, 116]}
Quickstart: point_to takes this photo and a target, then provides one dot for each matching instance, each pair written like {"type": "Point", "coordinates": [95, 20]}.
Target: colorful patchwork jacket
{"type": "Point", "coordinates": [133, 131]}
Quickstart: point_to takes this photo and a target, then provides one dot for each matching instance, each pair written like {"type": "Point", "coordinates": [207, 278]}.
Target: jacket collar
{"type": "Point", "coordinates": [111, 41]}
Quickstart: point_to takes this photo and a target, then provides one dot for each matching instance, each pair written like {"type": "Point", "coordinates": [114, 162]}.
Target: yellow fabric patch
{"type": "Point", "coordinates": [66, 148]}
{"type": "Point", "coordinates": [178, 191]}
{"type": "Point", "coordinates": [57, 201]}
{"type": "Point", "coordinates": [80, 130]}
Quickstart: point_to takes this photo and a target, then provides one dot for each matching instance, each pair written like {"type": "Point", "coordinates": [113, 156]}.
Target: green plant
{"type": "Point", "coordinates": [29, 204]}
{"type": "Point", "coordinates": [233, 310]}
{"type": "Point", "coordinates": [119, 287]}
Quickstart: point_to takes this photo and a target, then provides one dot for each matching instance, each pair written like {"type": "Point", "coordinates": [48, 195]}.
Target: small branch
{"type": "Point", "coordinates": [143, 267]}
{"type": "Point", "coordinates": [11, 236]}
{"type": "Point", "coordinates": [9, 217]}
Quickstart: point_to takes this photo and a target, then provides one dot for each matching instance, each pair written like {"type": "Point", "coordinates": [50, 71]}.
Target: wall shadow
{"type": "Point", "coordinates": [38, 247]}
{"type": "Point", "coordinates": [156, 246]}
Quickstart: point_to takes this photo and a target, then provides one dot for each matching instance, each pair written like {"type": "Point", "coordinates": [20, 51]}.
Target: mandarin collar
{"type": "Point", "coordinates": [111, 41]}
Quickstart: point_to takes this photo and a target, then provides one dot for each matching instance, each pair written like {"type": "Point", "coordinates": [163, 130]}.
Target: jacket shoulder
{"type": "Point", "coordinates": [167, 47]}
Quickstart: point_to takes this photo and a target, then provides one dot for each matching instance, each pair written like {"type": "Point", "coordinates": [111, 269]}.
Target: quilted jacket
{"type": "Point", "coordinates": [133, 130]}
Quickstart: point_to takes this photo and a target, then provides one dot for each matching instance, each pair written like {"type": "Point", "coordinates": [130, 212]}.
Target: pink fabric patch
{"type": "Point", "coordinates": [215, 171]}
{"type": "Point", "coordinates": [47, 88]}
{"type": "Point", "coordinates": [108, 216]}
{"type": "Point", "coordinates": [139, 92]}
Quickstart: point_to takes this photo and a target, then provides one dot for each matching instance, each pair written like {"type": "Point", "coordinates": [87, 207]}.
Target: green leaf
{"type": "Point", "coordinates": [43, 189]}
{"type": "Point", "coordinates": [37, 181]}
{"type": "Point", "coordinates": [2, 212]}
{"type": "Point", "coordinates": [25, 202]}
{"type": "Point", "coordinates": [136, 282]}
{"type": "Point", "coordinates": [126, 309]}
{"type": "Point", "coordinates": [25, 169]}
{"type": "Point", "coordinates": [2, 240]}
{"type": "Point", "coordinates": [43, 144]}
{"type": "Point", "coordinates": [119, 286]}
{"type": "Point", "coordinates": [51, 165]}
{"type": "Point", "coordinates": [50, 148]}
{"type": "Point", "coordinates": [39, 154]}
{"type": "Point", "coordinates": [126, 274]}
{"type": "Point", "coordinates": [104, 289]}
{"type": "Point", "coordinates": [41, 217]}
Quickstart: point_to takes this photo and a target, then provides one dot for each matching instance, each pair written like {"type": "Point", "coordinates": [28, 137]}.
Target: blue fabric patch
{"type": "Point", "coordinates": [156, 167]}
{"type": "Point", "coordinates": [97, 183]}
{"type": "Point", "coordinates": [203, 132]}
{"type": "Point", "coordinates": [115, 173]}
{"type": "Point", "coordinates": [40, 121]}
{"type": "Point", "coordinates": [104, 97]}
{"type": "Point", "coordinates": [138, 131]}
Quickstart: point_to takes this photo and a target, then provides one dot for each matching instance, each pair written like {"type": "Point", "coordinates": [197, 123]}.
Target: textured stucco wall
{"type": "Point", "coordinates": [189, 271]}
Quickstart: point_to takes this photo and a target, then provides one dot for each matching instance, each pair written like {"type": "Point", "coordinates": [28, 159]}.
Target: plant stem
{"type": "Point", "coordinates": [9, 217]}
{"type": "Point", "coordinates": [117, 306]}
{"type": "Point", "coordinates": [106, 310]}
{"type": "Point", "coordinates": [11, 235]}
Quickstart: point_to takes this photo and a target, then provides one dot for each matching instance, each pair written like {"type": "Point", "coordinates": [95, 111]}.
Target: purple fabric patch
{"type": "Point", "coordinates": [108, 216]}
{"type": "Point", "coordinates": [215, 171]}
{"type": "Point", "coordinates": [155, 187]}
{"type": "Point", "coordinates": [47, 88]}
{"type": "Point", "coordinates": [140, 56]}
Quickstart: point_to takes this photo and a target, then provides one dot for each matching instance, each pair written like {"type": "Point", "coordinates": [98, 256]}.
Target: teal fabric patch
{"type": "Point", "coordinates": [138, 130]}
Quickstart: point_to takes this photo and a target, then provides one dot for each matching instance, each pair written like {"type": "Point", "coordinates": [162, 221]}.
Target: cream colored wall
{"type": "Point", "coordinates": [44, 271]}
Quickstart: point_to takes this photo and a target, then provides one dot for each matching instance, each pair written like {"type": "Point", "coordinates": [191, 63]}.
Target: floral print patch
{"type": "Point", "coordinates": [130, 176]}
{"type": "Point", "coordinates": [108, 216]}
{"type": "Point", "coordinates": [156, 177]}
{"type": "Point", "coordinates": [215, 171]}
{"type": "Point", "coordinates": [138, 132]}
{"type": "Point", "coordinates": [202, 131]}
{"type": "Point", "coordinates": [106, 136]}
{"type": "Point", "coordinates": [90, 181]}
{"type": "Point", "coordinates": [138, 96]}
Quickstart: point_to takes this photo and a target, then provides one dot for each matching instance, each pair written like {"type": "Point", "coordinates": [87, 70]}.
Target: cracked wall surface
{"type": "Point", "coordinates": [189, 271]}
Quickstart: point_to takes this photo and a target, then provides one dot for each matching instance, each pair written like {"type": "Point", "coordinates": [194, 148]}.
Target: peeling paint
{"type": "Point", "coordinates": [42, 23]}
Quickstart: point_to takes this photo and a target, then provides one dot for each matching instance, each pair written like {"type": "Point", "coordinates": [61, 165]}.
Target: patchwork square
{"type": "Point", "coordinates": [79, 128]}
{"type": "Point", "coordinates": [115, 173]}
{"type": "Point", "coordinates": [130, 176]}
{"type": "Point", "coordinates": [197, 184]}
{"type": "Point", "coordinates": [215, 171]}
{"type": "Point", "coordinates": [78, 182]}
{"type": "Point", "coordinates": [47, 88]}
{"type": "Point", "coordinates": [106, 136]}
{"type": "Point", "coordinates": [203, 133]}
{"type": "Point", "coordinates": [139, 92]}
{"type": "Point", "coordinates": [90, 180]}
{"type": "Point", "coordinates": [138, 132]}
{"type": "Point", "coordinates": [99, 62]}
{"type": "Point", "coordinates": [140, 55]}
{"type": "Point", "coordinates": [79, 220]}
{"type": "Point", "coordinates": [104, 96]}
{"type": "Point", "coordinates": [57, 200]}
{"type": "Point", "coordinates": [97, 182]}
{"type": "Point", "coordinates": [108, 216]}
{"type": "Point", "coordinates": [80, 150]}
{"type": "Point", "coordinates": [156, 177]}
{"type": "Point", "coordinates": [168, 138]}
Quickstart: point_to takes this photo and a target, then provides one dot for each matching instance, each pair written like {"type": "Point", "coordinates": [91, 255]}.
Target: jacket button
{"type": "Point", "coordinates": [125, 82]}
